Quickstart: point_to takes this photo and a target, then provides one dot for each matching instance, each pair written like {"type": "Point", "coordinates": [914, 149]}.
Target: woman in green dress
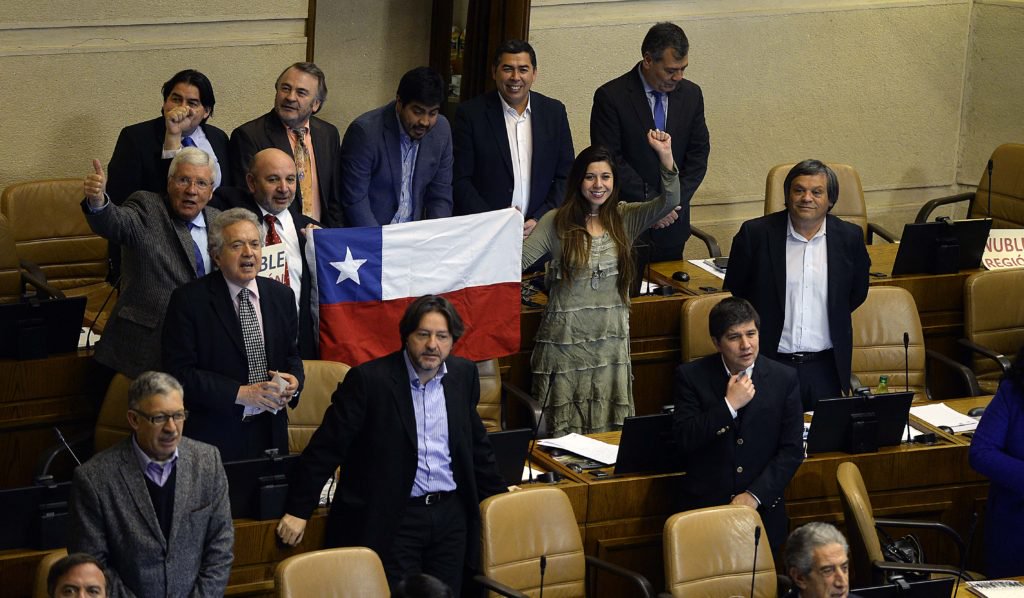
{"type": "Point", "coordinates": [581, 369]}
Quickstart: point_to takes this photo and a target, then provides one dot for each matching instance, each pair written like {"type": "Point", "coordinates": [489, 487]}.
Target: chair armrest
{"type": "Point", "coordinates": [969, 379]}
{"type": "Point", "coordinates": [531, 404]}
{"type": "Point", "coordinates": [1004, 363]}
{"type": "Point", "coordinates": [494, 586]}
{"type": "Point", "coordinates": [646, 589]}
{"type": "Point", "coordinates": [878, 229]}
{"type": "Point", "coordinates": [890, 567]}
{"type": "Point", "coordinates": [709, 241]}
{"type": "Point", "coordinates": [929, 206]}
{"type": "Point", "coordinates": [32, 275]}
{"type": "Point", "coordinates": [932, 525]}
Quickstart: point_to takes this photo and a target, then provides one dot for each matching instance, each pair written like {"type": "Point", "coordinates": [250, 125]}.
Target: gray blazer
{"type": "Point", "coordinates": [113, 519]}
{"type": "Point", "coordinates": [158, 258]}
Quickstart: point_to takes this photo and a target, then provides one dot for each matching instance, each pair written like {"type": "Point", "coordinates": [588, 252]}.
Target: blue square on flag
{"type": "Point", "coordinates": [348, 264]}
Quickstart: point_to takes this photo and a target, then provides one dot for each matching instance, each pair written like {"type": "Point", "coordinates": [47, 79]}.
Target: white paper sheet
{"type": "Point", "coordinates": [602, 452]}
{"type": "Point", "coordinates": [941, 414]}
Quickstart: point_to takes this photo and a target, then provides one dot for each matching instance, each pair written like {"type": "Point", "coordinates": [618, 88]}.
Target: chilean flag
{"type": "Point", "coordinates": [364, 278]}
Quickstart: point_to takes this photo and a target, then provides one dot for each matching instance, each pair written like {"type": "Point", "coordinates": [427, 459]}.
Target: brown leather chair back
{"type": "Point", "coordinates": [850, 205]}
{"type": "Point", "coordinates": [1007, 188]}
{"type": "Point", "coordinates": [878, 327]}
{"type": "Point", "coordinates": [694, 340]}
{"type": "Point", "coordinates": [10, 271]}
{"type": "Point", "coordinates": [519, 527]}
{"type": "Point", "coordinates": [353, 572]}
{"type": "Point", "coordinates": [43, 571]}
{"type": "Point", "coordinates": [489, 406]}
{"type": "Point", "coordinates": [710, 553]}
{"type": "Point", "coordinates": [112, 422]}
{"type": "Point", "coordinates": [322, 379]}
{"type": "Point", "coordinates": [994, 318]}
{"type": "Point", "coordinates": [865, 547]}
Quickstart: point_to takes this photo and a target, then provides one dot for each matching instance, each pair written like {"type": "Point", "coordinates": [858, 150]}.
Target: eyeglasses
{"type": "Point", "coordinates": [185, 182]}
{"type": "Point", "coordinates": [161, 418]}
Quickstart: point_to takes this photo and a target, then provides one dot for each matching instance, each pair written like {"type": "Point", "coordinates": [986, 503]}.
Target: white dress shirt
{"type": "Point", "coordinates": [519, 128]}
{"type": "Point", "coordinates": [806, 328]}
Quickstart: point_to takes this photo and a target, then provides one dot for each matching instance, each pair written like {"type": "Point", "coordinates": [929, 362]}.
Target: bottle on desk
{"type": "Point", "coordinates": [883, 385]}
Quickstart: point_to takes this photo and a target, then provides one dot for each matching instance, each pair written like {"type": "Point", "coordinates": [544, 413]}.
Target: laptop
{"type": "Point", "coordinates": [35, 329]}
{"type": "Point", "coordinates": [510, 448]}
{"type": "Point", "coordinates": [830, 426]}
{"type": "Point", "coordinates": [646, 444]}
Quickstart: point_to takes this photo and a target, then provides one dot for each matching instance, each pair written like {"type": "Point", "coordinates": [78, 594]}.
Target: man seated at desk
{"type": "Point", "coordinates": [818, 562]}
{"type": "Point", "coordinates": [78, 575]}
{"type": "Point", "coordinates": [738, 422]}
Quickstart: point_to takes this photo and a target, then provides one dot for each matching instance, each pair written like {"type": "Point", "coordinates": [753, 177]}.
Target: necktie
{"type": "Point", "coordinates": [255, 352]}
{"type": "Point", "coordinates": [303, 169]}
{"type": "Point", "coordinates": [659, 110]}
{"type": "Point", "coordinates": [187, 142]}
{"type": "Point", "coordinates": [200, 265]}
{"type": "Point", "coordinates": [155, 473]}
{"type": "Point", "coordinates": [272, 239]}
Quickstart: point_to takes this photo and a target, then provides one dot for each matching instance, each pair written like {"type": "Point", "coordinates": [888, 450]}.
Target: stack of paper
{"type": "Point", "coordinates": [602, 452]}
{"type": "Point", "coordinates": [996, 588]}
{"type": "Point", "coordinates": [941, 415]}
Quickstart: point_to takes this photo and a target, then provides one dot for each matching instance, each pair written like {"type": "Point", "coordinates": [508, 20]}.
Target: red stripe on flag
{"type": "Point", "coordinates": [354, 333]}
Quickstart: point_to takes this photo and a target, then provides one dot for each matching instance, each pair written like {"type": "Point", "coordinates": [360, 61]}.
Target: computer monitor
{"type": "Point", "coordinates": [859, 423]}
{"type": "Point", "coordinates": [928, 588]}
{"type": "Point", "coordinates": [36, 329]}
{"type": "Point", "coordinates": [258, 488]}
{"type": "Point", "coordinates": [34, 517]}
{"type": "Point", "coordinates": [510, 448]}
{"type": "Point", "coordinates": [646, 444]}
{"type": "Point", "coordinates": [941, 247]}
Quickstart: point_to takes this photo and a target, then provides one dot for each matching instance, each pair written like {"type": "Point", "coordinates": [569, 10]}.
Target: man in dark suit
{"type": "Point", "coordinates": [738, 422]}
{"type": "Point", "coordinates": [313, 143]}
{"type": "Point", "coordinates": [805, 271]}
{"type": "Point", "coordinates": [154, 509]}
{"type": "Point", "coordinates": [512, 145]}
{"type": "Point", "coordinates": [396, 160]}
{"type": "Point", "coordinates": [230, 337]}
{"type": "Point", "coordinates": [164, 245]}
{"type": "Point", "coordinates": [271, 180]}
{"type": "Point", "coordinates": [654, 95]}
{"type": "Point", "coordinates": [415, 460]}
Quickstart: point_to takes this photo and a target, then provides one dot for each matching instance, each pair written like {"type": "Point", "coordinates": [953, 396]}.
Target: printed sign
{"type": "Point", "coordinates": [273, 262]}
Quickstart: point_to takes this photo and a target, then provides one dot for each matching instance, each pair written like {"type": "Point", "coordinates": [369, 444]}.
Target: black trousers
{"type": "Point", "coordinates": [431, 539]}
{"type": "Point", "coordinates": [819, 378]}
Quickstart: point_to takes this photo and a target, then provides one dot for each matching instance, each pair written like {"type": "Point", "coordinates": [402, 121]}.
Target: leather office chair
{"type": "Point", "coordinates": [489, 406]}
{"type": "Point", "coordinates": [322, 379]}
{"type": "Point", "coordinates": [517, 528]}
{"type": "Point", "coordinates": [993, 324]}
{"type": "Point", "coordinates": [353, 572]}
{"type": "Point", "coordinates": [867, 563]}
{"type": "Point", "coordinates": [850, 206]}
{"type": "Point", "coordinates": [43, 571]}
{"type": "Point", "coordinates": [878, 327]}
{"type": "Point", "coordinates": [1007, 191]}
{"type": "Point", "coordinates": [710, 552]}
{"type": "Point", "coordinates": [50, 231]}
{"type": "Point", "coordinates": [16, 275]}
{"type": "Point", "coordinates": [695, 341]}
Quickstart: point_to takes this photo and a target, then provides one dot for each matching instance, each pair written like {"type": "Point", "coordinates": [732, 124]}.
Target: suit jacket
{"type": "Point", "coordinates": [759, 451]}
{"type": "Point", "coordinates": [757, 272]}
{"type": "Point", "coordinates": [138, 163]}
{"type": "Point", "coordinates": [268, 131]}
{"type": "Point", "coordinates": [370, 431]}
{"type": "Point", "coordinates": [620, 119]}
{"type": "Point", "coordinates": [483, 160]}
{"type": "Point", "coordinates": [113, 519]}
{"type": "Point", "coordinates": [203, 348]}
{"type": "Point", "coordinates": [371, 162]}
{"type": "Point", "coordinates": [158, 257]}
{"type": "Point", "coordinates": [228, 198]}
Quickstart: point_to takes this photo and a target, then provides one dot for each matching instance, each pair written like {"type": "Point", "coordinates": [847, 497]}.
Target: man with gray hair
{"type": "Point", "coordinates": [818, 561]}
{"type": "Point", "coordinates": [163, 243]}
{"type": "Point", "coordinates": [154, 509]}
{"type": "Point", "coordinates": [231, 338]}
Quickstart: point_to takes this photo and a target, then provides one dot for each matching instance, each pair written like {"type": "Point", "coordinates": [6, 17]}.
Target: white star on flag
{"type": "Point", "coordinates": [348, 268]}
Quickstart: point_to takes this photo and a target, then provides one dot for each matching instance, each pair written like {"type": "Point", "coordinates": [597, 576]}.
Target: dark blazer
{"type": "Point", "coordinates": [268, 131]}
{"type": "Point", "coordinates": [158, 258]}
{"type": "Point", "coordinates": [370, 432]}
{"type": "Point", "coordinates": [203, 348]}
{"type": "Point", "coordinates": [620, 119]}
{"type": "Point", "coordinates": [483, 161]}
{"type": "Point", "coordinates": [371, 165]}
{"type": "Point", "coordinates": [759, 451]}
{"type": "Point", "coordinates": [113, 519]}
{"type": "Point", "coordinates": [137, 163]}
{"type": "Point", "coordinates": [232, 197]}
{"type": "Point", "coordinates": [757, 273]}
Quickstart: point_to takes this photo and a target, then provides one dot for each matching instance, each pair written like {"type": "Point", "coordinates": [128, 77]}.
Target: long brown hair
{"type": "Point", "coordinates": [571, 221]}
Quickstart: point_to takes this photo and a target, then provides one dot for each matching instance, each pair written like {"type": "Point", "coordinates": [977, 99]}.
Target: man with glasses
{"type": "Point", "coordinates": [154, 508]}
{"type": "Point", "coordinates": [163, 243]}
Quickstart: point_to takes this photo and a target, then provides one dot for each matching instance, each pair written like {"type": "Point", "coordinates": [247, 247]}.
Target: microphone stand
{"type": "Point", "coordinates": [990, 189]}
{"type": "Point", "coordinates": [906, 375]}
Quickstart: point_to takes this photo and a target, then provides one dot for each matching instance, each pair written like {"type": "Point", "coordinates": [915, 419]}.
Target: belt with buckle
{"type": "Point", "coordinates": [433, 498]}
{"type": "Point", "coordinates": [799, 358]}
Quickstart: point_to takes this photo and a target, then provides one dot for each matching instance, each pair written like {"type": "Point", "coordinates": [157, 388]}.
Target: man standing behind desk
{"type": "Point", "coordinates": [654, 95]}
{"type": "Point", "coordinates": [154, 509]}
{"type": "Point", "coordinates": [313, 143]}
{"type": "Point", "coordinates": [397, 159]}
{"type": "Point", "coordinates": [227, 337]}
{"type": "Point", "coordinates": [415, 460]}
{"type": "Point", "coordinates": [512, 145]}
{"type": "Point", "coordinates": [805, 271]}
{"type": "Point", "coordinates": [738, 422]}
{"type": "Point", "coordinates": [164, 243]}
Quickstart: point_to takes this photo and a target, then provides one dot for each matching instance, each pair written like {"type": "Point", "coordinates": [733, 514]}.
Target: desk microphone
{"type": "Point", "coordinates": [967, 549]}
{"type": "Point", "coordinates": [60, 437]}
{"type": "Point", "coordinates": [540, 418]}
{"type": "Point", "coordinates": [543, 567]}
{"type": "Point", "coordinates": [753, 573]}
{"type": "Point", "coordinates": [990, 188]}
{"type": "Point", "coordinates": [103, 306]}
{"type": "Point", "coordinates": [906, 374]}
